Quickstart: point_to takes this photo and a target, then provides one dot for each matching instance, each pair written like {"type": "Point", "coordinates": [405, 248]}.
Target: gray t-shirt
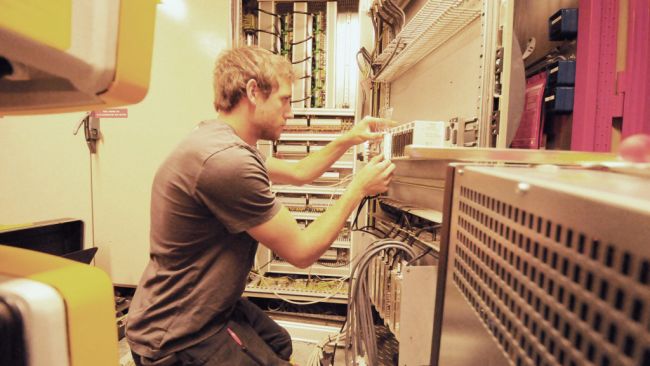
{"type": "Point", "coordinates": [210, 190]}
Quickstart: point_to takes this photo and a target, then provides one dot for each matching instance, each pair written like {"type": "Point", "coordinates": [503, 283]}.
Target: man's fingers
{"type": "Point", "coordinates": [382, 165]}
{"type": "Point", "coordinates": [388, 171]}
{"type": "Point", "coordinates": [377, 159]}
{"type": "Point", "coordinates": [374, 136]}
{"type": "Point", "coordinates": [378, 124]}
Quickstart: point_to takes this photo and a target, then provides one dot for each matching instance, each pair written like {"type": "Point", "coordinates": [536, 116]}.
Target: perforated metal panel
{"type": "Point", "coordinates": [555, 263]}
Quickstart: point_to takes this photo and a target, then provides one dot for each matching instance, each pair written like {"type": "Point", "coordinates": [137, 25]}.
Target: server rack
{"type": "Point", "coordinates": [319, 38]}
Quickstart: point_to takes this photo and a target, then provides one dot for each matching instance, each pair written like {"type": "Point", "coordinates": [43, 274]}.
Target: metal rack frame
{"type": "Point", "coordinates": [433, 25]}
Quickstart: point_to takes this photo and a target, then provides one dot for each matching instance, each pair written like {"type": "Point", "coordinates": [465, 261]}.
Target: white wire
{"type": "Point", "coordinates": [309, 302]}
{"type": "Point", "coordinates": [338, 290]}
{"type": "Point", "coordinates": [340, 182]}
{"type": "Point", "coordinates": [317, 354]}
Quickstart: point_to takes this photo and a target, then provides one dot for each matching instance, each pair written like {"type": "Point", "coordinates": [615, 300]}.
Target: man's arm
{"type": "Point", "coordinates": [310, 167]}
{"type": "Point", "coordinates": [315, 164]}
{"type": "Point", "coordinates": [301, 248]}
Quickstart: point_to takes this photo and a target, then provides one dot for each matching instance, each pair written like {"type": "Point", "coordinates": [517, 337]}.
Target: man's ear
{"type": "Point", "coordinates": [252, 91]}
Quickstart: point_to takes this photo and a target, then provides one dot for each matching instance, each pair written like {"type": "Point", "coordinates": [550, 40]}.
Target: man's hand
{"type": "Point", "coordinates": [374, 177]}
{"type": "Point", "coordinates": [369, 128]}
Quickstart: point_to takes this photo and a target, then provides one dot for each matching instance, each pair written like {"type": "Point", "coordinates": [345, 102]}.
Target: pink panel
{"type": "Point", "coordinates": [595, 75]}
{"type": "Point", "coordinates": [529, 133]}
{"type": "Point", "coordinates": [636, 111]}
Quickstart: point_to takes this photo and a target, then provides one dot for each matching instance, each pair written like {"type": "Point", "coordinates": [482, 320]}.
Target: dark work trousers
{"type": "Point", "coordinates": [266, 342]}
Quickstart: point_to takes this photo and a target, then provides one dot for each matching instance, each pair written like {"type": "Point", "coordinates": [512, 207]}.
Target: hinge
{"type": "Point", "coordinates": [91, 131]}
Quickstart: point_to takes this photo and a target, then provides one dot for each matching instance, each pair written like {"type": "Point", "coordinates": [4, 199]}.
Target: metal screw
{"type": "Point", "coordinates": [461, 171]}
{"type": "Point", "coordinates": [522, 188]}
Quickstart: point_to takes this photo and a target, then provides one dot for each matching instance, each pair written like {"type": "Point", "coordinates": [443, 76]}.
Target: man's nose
{"type": "Point", "coordinates": [289, 114]}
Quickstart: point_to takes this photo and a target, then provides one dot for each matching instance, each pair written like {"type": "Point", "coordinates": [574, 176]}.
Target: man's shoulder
{"type": "Point", "coordinates": [233, 153]}
{"type": "Point", "coordinates": [214, 139]}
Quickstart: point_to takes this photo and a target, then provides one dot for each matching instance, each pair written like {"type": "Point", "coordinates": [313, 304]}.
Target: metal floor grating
{"type": "Point", "coordinates": [387, 346]}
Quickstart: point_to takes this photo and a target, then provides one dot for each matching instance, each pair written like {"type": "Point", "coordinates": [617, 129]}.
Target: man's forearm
{"type": "Point", "coordinates": [325, 229]}
{"type": "Point", "coordinates": [316, 163]}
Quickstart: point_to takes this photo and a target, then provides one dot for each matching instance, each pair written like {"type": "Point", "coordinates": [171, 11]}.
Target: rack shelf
{"type": "Point", "coordinates": [315, 269]}
{"type": "Point", "coordinates": [281, 188]}
{"type": "Point", "coordinates": [433, 25]}
{"type": "Point", "coordinates": [337, 165]}
{"type": "Point", "coordinates": [341, 244]}
{"type": "Point", "coordinates": [255, 289]}
{"type": "Point", "coordinates": [333, 112]}
{"type": "Point", "coordinates": [308, 136]}
{"type": "Point", "coordinates": [305, 215]}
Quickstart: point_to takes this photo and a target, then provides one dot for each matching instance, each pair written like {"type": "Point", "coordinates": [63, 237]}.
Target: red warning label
{"type": "Point", "coordinates": [111, 113]}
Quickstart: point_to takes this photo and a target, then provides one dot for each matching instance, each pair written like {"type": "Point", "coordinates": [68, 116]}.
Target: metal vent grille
{"type": "Point", "coordinates": [550, 294]}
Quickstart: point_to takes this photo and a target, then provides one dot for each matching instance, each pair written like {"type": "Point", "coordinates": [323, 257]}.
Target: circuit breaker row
{"type": "Point", "coordinates": [456, 132]}
{"type": "Point", "coordinates": [306, 202]}
{"type": "Point", "coordinates": [385, 280]}
{"type": "Point", "coordinates": [299, 149]}
{"type": "Point", "coordinates": [318, 125]}
{"type": "Point", "coordinates": [304, 33]}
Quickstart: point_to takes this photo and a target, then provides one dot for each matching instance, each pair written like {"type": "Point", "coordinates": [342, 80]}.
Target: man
{"type": "Point", "coordinates": [212, 203]}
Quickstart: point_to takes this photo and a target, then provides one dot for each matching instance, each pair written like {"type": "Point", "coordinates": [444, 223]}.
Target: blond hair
{"type": "Point", "coordinates": [235, 67]}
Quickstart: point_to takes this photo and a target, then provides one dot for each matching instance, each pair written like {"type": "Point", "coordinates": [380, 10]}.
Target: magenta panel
{"type": "Point", "coordinates": [636, 110]}
{"type": "Point", "coordinates": [530, 128]}
{"type": "Point", "coordinates": [595, 94]}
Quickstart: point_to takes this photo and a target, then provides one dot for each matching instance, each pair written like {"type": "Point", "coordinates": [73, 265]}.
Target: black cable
{"type": "Point", "coordinates": [365, 230]}
{"type": "Point", "coordinates": [264, 265]}
{"type": "Point", "coordinates": [400, 221]}
{"type": "Point", "coordinates": [265, 31]}
{"type": "Point", "coordinates": [303, 41]}
{"type": "Point", "coordinates": [301, 100]}
{"type": "Point", "coordinates": [355, 224]}
{"type": "Point", "coordinates": [335, 345]}
{"type": "Point", "coordinates": [423, 229]}
{"type": "Point", "coordinates": [424, 252]}
{"type": "Point", "coordinates": [394, 13]}
{"type": "Point", "coordinates": [302, 12]}
{"type": "Point", "coordinates": [406, 220]}
{"type": "Point", "coordinates": [337, 265]}
{"type": "Point", "coordinates": [377, 73]}
{"type": "Point", "coordinates": [303, 60]}
{"type": "Point", "coordinates": [267, 12]}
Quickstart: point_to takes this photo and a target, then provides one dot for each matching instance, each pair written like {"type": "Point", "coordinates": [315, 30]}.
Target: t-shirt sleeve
{"type": "Point", "coordinates": [235, 186]}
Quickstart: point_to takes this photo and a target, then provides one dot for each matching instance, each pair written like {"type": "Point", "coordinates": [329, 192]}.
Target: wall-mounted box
{"type": "Point", "coordinates": [563, 25]}
{"type": "Point", "coordinates": [559, 100]}
{"type": "Point", "coordinates": [562, 72]}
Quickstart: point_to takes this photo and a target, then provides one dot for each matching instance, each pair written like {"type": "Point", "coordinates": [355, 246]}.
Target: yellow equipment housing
{"type": "Point", "coordinates": [62, 56]}
{"type": "Point", "coordinates": [83, 332]}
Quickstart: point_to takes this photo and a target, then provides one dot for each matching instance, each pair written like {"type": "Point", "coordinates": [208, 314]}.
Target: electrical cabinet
{"type": "Point", "coordinates": [303, 135]}
{"type": "Point", "coordinates": [466, 64]}
{"type": "Point", "coordinates": [320, 39]}
{"type": "Point", "coordinates": [492, 74]}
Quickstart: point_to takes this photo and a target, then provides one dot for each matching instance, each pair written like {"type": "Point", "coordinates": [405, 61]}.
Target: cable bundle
{"type": "Point", "coordinates": [317, 355]}
{"type": "Point", "coordinates": [360, 334]}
